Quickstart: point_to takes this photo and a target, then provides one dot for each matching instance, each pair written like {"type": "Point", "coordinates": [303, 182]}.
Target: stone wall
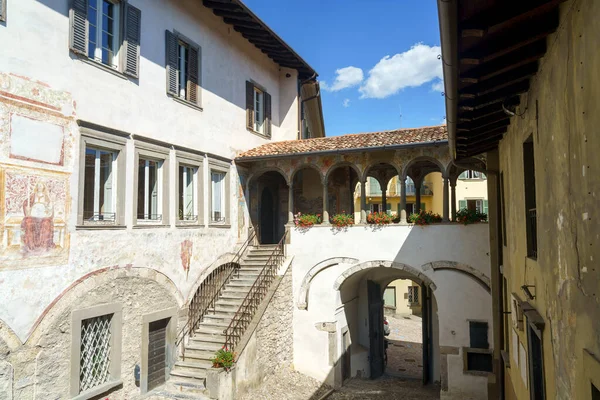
{"type": "Point", "coordinates": [274, 331]}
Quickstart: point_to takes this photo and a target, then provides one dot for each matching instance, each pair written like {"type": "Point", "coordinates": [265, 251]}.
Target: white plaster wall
{"type": "Point", "coordinates": [35, 48]}
{"type": "Point", "coordinates": [459, 298]}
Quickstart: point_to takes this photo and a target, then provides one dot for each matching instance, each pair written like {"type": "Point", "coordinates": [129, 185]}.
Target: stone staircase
{"type": "Point", "coordinates": [188, 376]}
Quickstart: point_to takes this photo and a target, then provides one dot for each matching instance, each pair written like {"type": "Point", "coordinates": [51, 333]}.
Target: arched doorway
{"type": "Point", "coordinates": [268, 208]}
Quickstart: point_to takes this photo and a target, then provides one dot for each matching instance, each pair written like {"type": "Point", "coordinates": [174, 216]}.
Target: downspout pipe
{"type": "Point", "coordinates": [448, 17]}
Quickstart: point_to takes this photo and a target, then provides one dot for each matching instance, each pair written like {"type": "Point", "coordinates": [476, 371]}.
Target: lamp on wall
{"type": "Point", "coordinates": [527, 292]}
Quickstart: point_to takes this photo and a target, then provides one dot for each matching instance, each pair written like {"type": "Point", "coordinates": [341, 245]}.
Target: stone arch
{"type": "Point", "coordinates": [223, 259]}
{"type": "Point", "coordinates": [342, 164]}
{"type": "Point", "coordinates": [95, 279]}
{"type": "Point", "coordinates": [259, 172]}
{"type": "Point", "coordinates": [464, 269]}
{"type": "Point", "coordinates": [304, 166]}
{"type": "Point", "coordinates": [314, 271]}
{"type": "Point", "coordinates": [374, 163]}
{"type": "Point", "coordinates": [9, 337]}
{"type": "Point", "coordinates": [438, 163]}
{"type": "Point", "coordinates": [418, 275]}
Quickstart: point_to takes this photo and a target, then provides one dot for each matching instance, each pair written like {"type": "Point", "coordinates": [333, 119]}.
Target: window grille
{"type": "Point", "coordinates": [413, 294]}
{"type": "Point", "coordinates": [96, 338]}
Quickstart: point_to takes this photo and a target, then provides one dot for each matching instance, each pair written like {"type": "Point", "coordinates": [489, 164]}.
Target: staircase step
{"type": "Point", "coordinates": [203, 346]}
{"type": "Point", "coordinates": [238, 285]}
{"type": "Point", "coordinates": [190, 376]}
{"type": "Point", "coordinates": [193, 366]}
{"type": "Point", "coordinates": [211, 329]}
{"type": "Point", "coordinates": [234, 295]}
{"type": "Point", "coordinates": [207, 338]}
{"type": "Point", "coordinates": [182, 388]}
{"type": "Point", "coordinates": [253, 263]}
{"type": "Point", "coordinates": [217, 318]}
{"type": "Point", "coordinates": [229, 302]}
{"type": "Point", "coordinates": [203, 355]}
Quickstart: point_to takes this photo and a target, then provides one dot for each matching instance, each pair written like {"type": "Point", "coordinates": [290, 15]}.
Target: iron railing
{"type": "Point", "coordinates": [532, 233]}
{"type": "Point", "coordinates": [209, 291]}
{"type": "Point", "coordinates": [255, 296]}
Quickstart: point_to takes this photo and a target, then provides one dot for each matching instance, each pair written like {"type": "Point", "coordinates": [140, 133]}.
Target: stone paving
{"type": "Point", "coordinates": [405, 349]}
{"type": "Point", "coordinates": [386, 387]}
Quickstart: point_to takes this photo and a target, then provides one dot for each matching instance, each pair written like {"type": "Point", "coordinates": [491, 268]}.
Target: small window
{"type": "Point", "coordinates": [469, 174]}
{"type": "Point", "coordinates": [413, 295]}
{"type": "Point", "coordinates": [481, 362]}
{"type": "Point", "coordinates": [478, 334]}
{"type": "Point", "coordinates": [149, 206]}
{"type": "Point", "coordinates": [389, 296]}
{"type": "Point", "coordinates": [217, 213]}
{"type": "Point", "coordinates": [99, 193]}
{"type": "Point", "coordinates": [94, 361]}
{"type": "Point", "coordinates": [183, 68]}
{"type": "Point", "coordinates": [188, 199]}
{"type": "Point", "coordinates": [104, 28]}
{"type": "Point", "coordinates": [530, 199]}
{"type": "Point", "coordinates": [258, 109]}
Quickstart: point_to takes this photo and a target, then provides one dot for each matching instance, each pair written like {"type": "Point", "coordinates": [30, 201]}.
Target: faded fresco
{"type": "Point", "coordinates": [34, 218]}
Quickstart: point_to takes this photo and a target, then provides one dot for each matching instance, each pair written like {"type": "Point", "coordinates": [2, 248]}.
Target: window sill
{"type": "Point", "coordinates": [103, 67]}
{"type": "Point", "coordinates": [186, 103]}
{"type": "Point", "coordinates": [149, 225]}
{"type": "Point", "coordinates": [98, 390]}
{"type": "Point", "coordinates": [262, 135]}
{"type": "Point", "coordinates": [218, 225]}
{"type": "Point", "coordinates": [99, 227]}
{"type": "Point", "coordinates": [189, 226]}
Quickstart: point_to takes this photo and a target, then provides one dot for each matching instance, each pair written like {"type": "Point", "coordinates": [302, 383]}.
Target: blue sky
{"type": "Point", "coordinates": [384, 52]}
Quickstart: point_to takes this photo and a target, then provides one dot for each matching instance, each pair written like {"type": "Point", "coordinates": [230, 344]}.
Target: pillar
{"type": "Point", "coordinates": [446, 201]}
{"type": "Point", "coordinates": [453, 198]}
{"type": "Point", "coordinates": [383, 197]}
{"type": "Point", "coordinates": [291, 204]}
{"type": "Point", "coordinates": [325, 203]}
{"type": "Point", "coordinates": [403, 199]}
{"type": "Point", "coordinates": [418, 183]}
{"type": "Point", "coordinates": [363, 202]}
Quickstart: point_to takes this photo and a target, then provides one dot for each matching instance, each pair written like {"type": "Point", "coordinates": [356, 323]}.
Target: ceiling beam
{"type": "Point", "coordinates": [490, 89]}
{"type": "Point", "coordinates": [221, 6]}
{"type": "Point", "coordinates": [464, 139]}
{"type": "Point", "coordinates": [241, 22]}
{"type": "Point", "coordinates": [497, 96]}
{"type": "Point", "coordinates": [504, 15]}
{"type": "Point", "coordinates": [496, 117]}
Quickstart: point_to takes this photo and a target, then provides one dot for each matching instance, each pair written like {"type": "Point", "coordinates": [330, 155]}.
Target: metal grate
{"type": "Point", "coordinates": [413, 294]}
{"type": "Point", "coordinates": [96, 335]}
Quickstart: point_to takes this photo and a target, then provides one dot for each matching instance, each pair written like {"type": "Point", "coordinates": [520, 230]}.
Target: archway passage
{"type": "Point", "coordinates": [269, 206]}
{"type": "Point", "coordinates": [363, 296]}
{"type": "Point", "coordinates": [267, 221]}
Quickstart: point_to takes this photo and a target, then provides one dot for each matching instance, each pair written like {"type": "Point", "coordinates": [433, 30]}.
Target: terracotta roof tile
{"type": "Point", "coordinates": [351, 141]}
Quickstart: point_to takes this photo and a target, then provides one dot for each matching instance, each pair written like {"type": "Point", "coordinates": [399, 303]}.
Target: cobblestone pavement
{"type": "Point", "coordinates": [386, 387]}
{"type": "Point", "coordinates": [405, 349]}
{"type": "Point", "coordinates": [287, 384]}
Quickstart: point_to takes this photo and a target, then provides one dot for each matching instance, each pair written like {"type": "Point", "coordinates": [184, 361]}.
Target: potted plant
{"type": "Point", "coordinates": [424, 218]}
{"type": "Point", "coordinates": [219, 378]}
{"type": "Point", "coordinates": [307, 220]}
{"type": "Point", "coordinates": [342, 220]}
{"type": "Point", "coordinates": [467, 217]}
{"type": "Point", "coordinates": [379, 218]}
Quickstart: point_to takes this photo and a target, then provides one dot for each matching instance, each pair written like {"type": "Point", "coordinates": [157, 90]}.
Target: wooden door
{"type": "Point", "coordinates": [157, 353]}
{"type": "Point", "coordinates": [375, 329]}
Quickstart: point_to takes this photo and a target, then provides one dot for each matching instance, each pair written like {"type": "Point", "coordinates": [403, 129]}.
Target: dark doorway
{"type": "Point", "coordinates": [536, 364]}
{"type": "Point", "coordinates": [267, 217]}
{"type": "Point", "coordinates": [375, 297]}
{"type": "Point", "coordinates": [157, 353]}
{"type": "Point", "coordinates": [346, 356]}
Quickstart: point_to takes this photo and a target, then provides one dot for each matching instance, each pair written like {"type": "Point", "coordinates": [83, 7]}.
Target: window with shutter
{"type": "Point", "coordinates": [422, 206]}
{"type": "Point", "coordinates": [132, 33]}
{"type": "Point", "coordinates": [485, 206]}
{"type": "Point", "coordinates": [258, 109]}
{"type": "Point", "coordinates": [183, 68]}
{"type": "Point", "coordinates": [462, 204]}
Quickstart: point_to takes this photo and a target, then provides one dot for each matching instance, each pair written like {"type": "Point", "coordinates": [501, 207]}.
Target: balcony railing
{"type": "Point", "coordinates": [532, 233]}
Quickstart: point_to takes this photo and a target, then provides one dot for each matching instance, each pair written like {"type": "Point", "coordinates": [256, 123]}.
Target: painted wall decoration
{"type": "Point", "coordinates": [186, 255]}
{"type": "Point", "coordinates": [34, 210]}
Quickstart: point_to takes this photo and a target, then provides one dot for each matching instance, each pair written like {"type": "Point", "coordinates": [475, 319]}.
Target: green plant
{"type": "Point", "coordinates": [467, 217]}
{"type": "Point", "coordinates": [379, 218]}
{"type": "Point", "coordinates": [223, 359]}
{"type": "Point", "coordinates": [343, 219]}
{"type": "Point", "coordinates": [424, 218]}
{"type": "Point", "coordinates": [307, 220]}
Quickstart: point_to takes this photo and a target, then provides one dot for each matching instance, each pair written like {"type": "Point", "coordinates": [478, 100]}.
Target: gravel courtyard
{"type": "Point", "coordinates": [405, 350]}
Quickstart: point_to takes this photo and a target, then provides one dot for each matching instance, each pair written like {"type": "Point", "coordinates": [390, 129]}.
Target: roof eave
{"type": "Point", "coordinates": [340, 151]}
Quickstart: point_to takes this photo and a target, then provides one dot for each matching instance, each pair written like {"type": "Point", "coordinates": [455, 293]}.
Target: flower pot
{"type": "Point", "coordinates": [220, 383]}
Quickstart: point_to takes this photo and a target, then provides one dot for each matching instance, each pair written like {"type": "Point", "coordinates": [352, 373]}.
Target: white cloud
{"type": "Point", "coordinates": [344, 78]}
{"type": "Point", "coordinates": [346, 103]}
{"type": "Point", "coordinates": [438, 86]}
{"type": "Point", "coordinates": [413, 68]}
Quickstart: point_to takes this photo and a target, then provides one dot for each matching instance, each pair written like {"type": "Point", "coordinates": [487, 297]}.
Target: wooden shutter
{"type": "Point", "coordinates": [2, 10]}
{"type": "Point", "coordinates": [422, 206]}
{"type": "Point", "coordinates": [462, 204]}
{"type": "Point", "coordinates": [171, 63]}
{"type": "Point", "coordinates": [78, 35]}
{"type": "Point", "coordinates": [485, 206]}
{"type": "Point", "coordinates": [132, 35]}
{"type": "Point", "coordinates": [267, 114]}
{"type": "Point", "coordinates": [193, 73]}
{"type": "Point", "coordinates": [249, 105]}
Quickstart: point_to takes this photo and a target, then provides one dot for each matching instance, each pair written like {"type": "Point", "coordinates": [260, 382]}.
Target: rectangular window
{"type": "Point", "coordinates": [188, 201]}
{"type": "Point", "coordinates": [258, 109]}
{"type": "Point", "coordinates": [530, 201]}
{"type": "Point", "coordinates": [104, 27]}
{"type": "Point", "coordinates": [503, 208]}
{"type": "Point", "coordinates": [536, 364]}
{"type": "Point", "coordinates": [149, 206]}
{"type": "Point", "coordinates": [389, 296]}
{"type": "Point", "coordinates": [94, 361]}
{"type": "Point", "coordinates": [481, 362]}
{"type": "Point", "coordinates": [375, 208]}
{"type": "Point", "coordinates": [183, 68]}
{"type": "Point", "coordinates": [99, 193]}
{"type": "Point", "coordinates": [182, 61]}
{"type": "Point", "coordinates": [478, 334]}
{"type": "Point", "coordinates": [469, 174]}
{"type": "Point", "coordinates": [413, 294]}
{"type": "Point", "coordinates": [217, 213]}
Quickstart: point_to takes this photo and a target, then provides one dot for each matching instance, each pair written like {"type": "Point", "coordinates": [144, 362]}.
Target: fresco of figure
{"type": "Point", "coordinates": [37, 227]}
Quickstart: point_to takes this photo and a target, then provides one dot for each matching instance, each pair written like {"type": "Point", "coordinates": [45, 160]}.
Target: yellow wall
{"type": "Point", "coordinates": [402, 304]}
{"type": "Point", "coordinates": [560, 112]}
